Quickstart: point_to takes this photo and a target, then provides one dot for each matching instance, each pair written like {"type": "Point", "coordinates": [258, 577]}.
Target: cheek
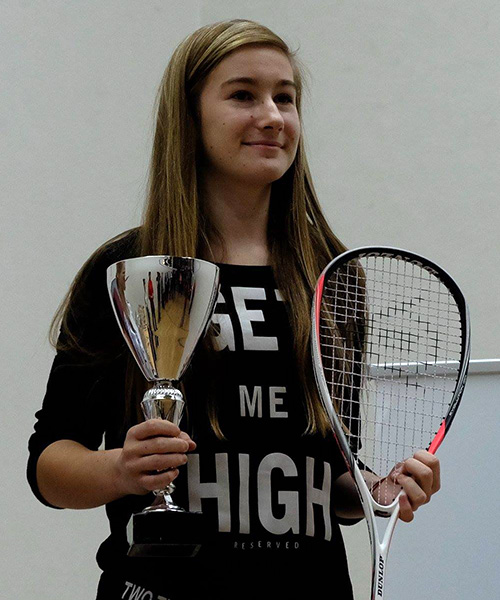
{"type": "Point", "coordinates": [218, 133]}
{"type": "Point", "coordinates": [297, 130]}
{"type": "Point", "coordinates": [218, 144]}
{"type": "Point", "coordinates": [294, 138]}
{"type": "Point", "coordinates": [293, 130]}
{"type": "Point", "coordinates": [211, 137]}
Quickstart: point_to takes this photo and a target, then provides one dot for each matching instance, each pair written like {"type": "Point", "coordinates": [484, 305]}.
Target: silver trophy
{"type": "Point", "coordinates": [163, 305]}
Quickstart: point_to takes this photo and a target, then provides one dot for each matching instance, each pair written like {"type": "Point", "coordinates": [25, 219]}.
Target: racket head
{"type": "Point", "coordinates": [390, 347]}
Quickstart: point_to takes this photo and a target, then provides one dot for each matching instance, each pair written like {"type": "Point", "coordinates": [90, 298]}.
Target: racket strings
{"type": "Point", "coordinates": [390, 341]}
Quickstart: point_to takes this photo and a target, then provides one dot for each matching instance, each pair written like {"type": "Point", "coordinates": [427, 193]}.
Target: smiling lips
{"type": "Point", "coordinates": [267, 143]}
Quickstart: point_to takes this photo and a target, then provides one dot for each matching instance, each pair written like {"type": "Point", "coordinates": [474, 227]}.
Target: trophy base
{"type": "Point", "coordinates": [163, 533]}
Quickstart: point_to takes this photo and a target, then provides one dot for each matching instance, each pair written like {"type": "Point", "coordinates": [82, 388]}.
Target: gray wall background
{"type": "Point", "coordinates": [402, 127]}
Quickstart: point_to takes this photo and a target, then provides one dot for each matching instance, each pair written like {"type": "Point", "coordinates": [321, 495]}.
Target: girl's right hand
{"type": "Point", "coordinates": [150, 457]}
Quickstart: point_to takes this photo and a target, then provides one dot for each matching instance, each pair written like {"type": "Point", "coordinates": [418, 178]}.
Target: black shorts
{"type": "Point", "coordinates": [220, 584]}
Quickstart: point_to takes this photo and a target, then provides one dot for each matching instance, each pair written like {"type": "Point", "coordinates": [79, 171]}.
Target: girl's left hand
{"type": "Point", "coordinates": [419, 477]}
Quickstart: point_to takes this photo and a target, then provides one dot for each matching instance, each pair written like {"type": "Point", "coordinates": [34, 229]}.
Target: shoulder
{"type": "Point", "coordinates": [86, 309]}
{"type": "Point", "coordinates": [123, 246]}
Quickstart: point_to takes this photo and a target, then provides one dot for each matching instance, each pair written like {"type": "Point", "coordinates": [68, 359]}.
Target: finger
{"type": "Point", "coordinates": [153, 428]}
{"type": "Point", "coordinates": [431, 461]}
{"type": "Point", "coordinates": [421, 473]}
{"type": "Point", "coordinates": [415, 495]}
{"type": "Point", "coordinates": [162, 445]}
{"type": "Point", "coordinates": [158, 481]}
{"type": "Point", "coordinates": [406, 512]}
{"type": "Point", "coordinates": [162, 462]}
{"type": "Point", "coordinates": [396, 470]}
{"type": "Point", "coordinates": [192, 445]}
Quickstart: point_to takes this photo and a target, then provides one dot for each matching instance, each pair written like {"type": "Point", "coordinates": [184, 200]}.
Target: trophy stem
{"type": "Point", "coordinates": [163, 401]}
{"type": "Point", "coordinates": [163, 501]}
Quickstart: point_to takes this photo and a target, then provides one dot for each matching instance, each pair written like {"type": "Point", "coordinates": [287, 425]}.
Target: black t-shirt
{"type": "Point", "coordinates": [265, 487]}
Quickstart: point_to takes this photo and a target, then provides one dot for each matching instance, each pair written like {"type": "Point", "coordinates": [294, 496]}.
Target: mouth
{"type": "Point", "coordinates": [264, 143]}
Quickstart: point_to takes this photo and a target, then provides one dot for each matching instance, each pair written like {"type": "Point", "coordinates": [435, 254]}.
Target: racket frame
{"type": "Point", "coordinates": [371, 508]}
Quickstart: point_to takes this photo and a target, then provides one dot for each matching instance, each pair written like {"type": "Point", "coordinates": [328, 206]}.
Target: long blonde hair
{"type": "Point", "coordinates": [300, 240]}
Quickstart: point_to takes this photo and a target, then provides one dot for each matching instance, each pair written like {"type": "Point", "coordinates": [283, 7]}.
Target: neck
{"type": "Point", "coordinates": [240, 215]}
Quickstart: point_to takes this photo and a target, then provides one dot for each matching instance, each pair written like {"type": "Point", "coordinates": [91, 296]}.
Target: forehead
{"type": "Point", "coordinates": [264, 63]}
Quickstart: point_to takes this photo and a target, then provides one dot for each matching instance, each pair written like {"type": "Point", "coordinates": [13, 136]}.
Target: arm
{"type": "Point", "coordinates": [346, 499]}
{"type": "Point", "coordinates": [84, 397]}
{"type": "Point", "coordinates": [418, 477]}
{"type": "Point", "coordinates": [69, 475]}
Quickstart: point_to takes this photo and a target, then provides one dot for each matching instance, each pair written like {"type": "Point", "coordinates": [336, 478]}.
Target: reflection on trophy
{"type": "Point", "coordinates": [163, 305]}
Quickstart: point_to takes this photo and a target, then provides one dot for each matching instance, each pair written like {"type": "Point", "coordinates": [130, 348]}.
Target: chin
{"type": "Point", "coordinates": [267, 175]}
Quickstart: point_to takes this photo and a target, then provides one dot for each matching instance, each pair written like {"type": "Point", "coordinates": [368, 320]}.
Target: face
{"type": "Point", "coordinates": [249, 123]}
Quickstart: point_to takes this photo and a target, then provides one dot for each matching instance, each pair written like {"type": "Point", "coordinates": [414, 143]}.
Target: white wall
{"type": "Point", "coordinates": [450, 551]}
{"type": "Point", "coordinates": [402, 129]}
{"type": "Point", "coordinates": [78, 84]}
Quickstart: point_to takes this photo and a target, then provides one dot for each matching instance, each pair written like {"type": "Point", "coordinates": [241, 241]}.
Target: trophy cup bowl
{"type": "Point", "coordinates": [163, 305]}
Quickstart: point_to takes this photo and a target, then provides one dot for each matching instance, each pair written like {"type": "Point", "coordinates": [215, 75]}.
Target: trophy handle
{"type": "Point", "coordinates": [163, 401]}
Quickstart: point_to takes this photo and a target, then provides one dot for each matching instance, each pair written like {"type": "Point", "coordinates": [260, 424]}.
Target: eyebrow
{"type": "Point", "coordinates": [252, 81]}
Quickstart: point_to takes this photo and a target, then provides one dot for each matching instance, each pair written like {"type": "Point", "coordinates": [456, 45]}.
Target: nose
{"type": "Point", "coordinates": [269, 115]}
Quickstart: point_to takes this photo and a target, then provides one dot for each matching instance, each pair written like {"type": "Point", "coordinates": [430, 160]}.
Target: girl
{"type": "Point", "coordinates": [229, 183]}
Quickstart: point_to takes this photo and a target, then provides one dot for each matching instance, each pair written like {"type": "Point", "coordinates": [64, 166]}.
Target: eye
{"type": "Point", "coordinates": [242, 95]}
{"type": "Point", "coordinates": [284, 98]}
